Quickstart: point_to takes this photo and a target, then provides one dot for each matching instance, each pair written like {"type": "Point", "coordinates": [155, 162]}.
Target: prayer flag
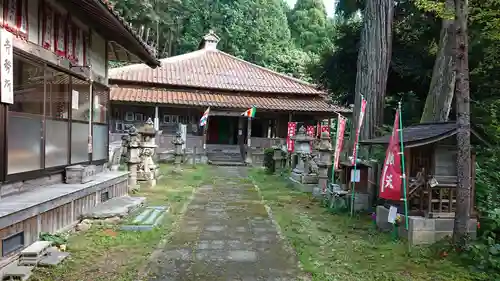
{"type": "Point", "coordinates": [204, 118]}
{"type": "Point", "coordinates": [391, 179]}
{"type": "Point", "coordinates": [250, 112]}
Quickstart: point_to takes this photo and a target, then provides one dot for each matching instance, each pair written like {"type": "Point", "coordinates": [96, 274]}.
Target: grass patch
{"type": "Point", "coordinates": [338, 247]}
{"type": "Point", "coordinates": [107, 253]}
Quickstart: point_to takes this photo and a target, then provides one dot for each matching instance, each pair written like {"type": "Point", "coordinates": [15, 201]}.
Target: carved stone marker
{"type": "Point", "coordinates": [131, 142]}
{"type": "Point", "coordinates": [178, 142]}
{"type": "Point", "coordinates": [278, 157]}
{"type": "Point", "coordinates": [79, 174]}
{"type": "Point", "coordinates": [147, 168]}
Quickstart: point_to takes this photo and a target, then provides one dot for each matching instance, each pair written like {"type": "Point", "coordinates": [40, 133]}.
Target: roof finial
{"type": "Point", "coordinates": [210, 40]}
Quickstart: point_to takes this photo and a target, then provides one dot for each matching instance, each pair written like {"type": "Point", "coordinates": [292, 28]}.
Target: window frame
{"type": "Point", "coordinates": [44, 171]}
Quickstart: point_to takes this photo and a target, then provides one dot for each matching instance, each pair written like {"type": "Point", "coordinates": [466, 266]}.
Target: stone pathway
{"type": "Point", "coordinates": [227, 235]}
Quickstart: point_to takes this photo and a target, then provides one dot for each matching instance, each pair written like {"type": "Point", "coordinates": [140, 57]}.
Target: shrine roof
{"type": "Point", "coordinates": [211, 69]}
{"type": "Point", "coordinates": [222, 99]}
{"type": "Point", "coordinates": [423, 134]}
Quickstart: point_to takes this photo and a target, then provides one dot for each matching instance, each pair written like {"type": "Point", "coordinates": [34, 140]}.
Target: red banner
{"type": "Point", "coordinates": [358, 129]}
{"type": "Point", "coordinates": [292, 127]}
{"type": "Point", "coordinates": [341, 121]}
{"type": "Point", "coordinates": [310, 132]}
{"type": "Point", "coordinates": [391, 180]}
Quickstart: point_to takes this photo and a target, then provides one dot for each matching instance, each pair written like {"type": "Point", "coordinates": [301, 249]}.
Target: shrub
{"type": "Point", "coordinates": [268, 160]}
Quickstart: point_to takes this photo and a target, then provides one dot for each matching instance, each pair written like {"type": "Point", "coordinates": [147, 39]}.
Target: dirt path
{"type": "Point", "coordinates": [226, 234]}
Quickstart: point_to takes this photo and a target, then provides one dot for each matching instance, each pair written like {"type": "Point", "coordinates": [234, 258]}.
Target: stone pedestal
{"type": "Point", "coordinates": [325, 161]}
{"type": "Point", "coordinates": [278, 157]}
{"type": "Point", "coordinates": [131, 143]}
{"type": "Point", "coordinates": [178, 142]}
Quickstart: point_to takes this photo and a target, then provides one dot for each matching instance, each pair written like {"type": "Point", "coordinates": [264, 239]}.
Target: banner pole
{"type": "Point", "coordinates": [355, 158]}
{"type": "Point", "coordinates": [336, 140]}
{"type": "Point", "coordinates": [403, 171]}
{"type": "Point", "coordinates": [353, 179]}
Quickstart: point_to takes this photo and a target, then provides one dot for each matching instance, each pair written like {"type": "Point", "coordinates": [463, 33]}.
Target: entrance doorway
{"type": "Point", "coordinates": [222, 130]}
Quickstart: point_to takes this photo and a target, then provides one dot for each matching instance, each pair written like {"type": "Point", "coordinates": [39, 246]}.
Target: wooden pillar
{"type": "Point", "coordinates": [248, 159]}
{"type": "Point", "coordinates": [205, 131]}
{"type": "Point", "coordinates": [241, 137]}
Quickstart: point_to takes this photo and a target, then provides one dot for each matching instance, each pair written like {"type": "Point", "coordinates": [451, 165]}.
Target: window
{"type": "Point", "coordinates": [57, 99]}
{"type": "Point", "coordinates": [101, 101]}
{"type": "Point", "coordinates": [81, 100]}
{"type": "Point", "coordinates": [104, 196]}
{"type": "Point", "coordinates": [100, 130]}
{"type": "Point", "coordinates": [80, 120]}
{"type": "Point", "coordinates": [12, 243]}
{"type": "Point", "coordinates": [25, 118]}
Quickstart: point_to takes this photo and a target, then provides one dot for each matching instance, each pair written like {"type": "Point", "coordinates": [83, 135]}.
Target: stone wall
{"type": "Point", "coordinates": [422, 230]}
{"type": "Point", "coordinates": [164, 141]}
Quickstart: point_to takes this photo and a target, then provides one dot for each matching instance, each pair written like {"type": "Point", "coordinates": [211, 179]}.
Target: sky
{"type": "Point", "coordinates": [329, 5]}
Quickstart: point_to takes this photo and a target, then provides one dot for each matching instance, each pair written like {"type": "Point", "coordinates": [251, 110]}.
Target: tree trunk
{"type": "Point", "coordinates": [440, 96]}
{"type": "Point", "coordinates": [373, 64]}
{"type": "Point", "coordinates": [462, 213]}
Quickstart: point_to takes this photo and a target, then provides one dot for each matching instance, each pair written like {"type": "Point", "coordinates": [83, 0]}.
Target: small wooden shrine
{"type": "Point", "coordinates": [431, 166]}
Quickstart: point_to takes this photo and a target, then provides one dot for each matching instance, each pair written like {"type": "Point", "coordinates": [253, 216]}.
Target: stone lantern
{"type": "Point", "coordinates": [325, 161]}
{"type": "Point", "coordinates": [147, 169]}
{"type": "Point", "coordinates": [178, 142]}
{"type": "Point", "coordinates": [302, 148]}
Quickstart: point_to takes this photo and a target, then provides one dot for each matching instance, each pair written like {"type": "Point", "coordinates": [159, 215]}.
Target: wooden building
{"type": "Point", "coordinates": [431, 167]}
{"type": "Point", "coordinates": [54, 111]}
{"type": "Point", "coordinates": [184, 86]}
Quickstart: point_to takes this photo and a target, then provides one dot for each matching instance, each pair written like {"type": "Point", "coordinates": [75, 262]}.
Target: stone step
{"type": "Point", "coordinates": [226, 163]}
{"type": "Point", "coordinates": [16, 272]}
{"type": "Point", "coordinates": [147, 219]}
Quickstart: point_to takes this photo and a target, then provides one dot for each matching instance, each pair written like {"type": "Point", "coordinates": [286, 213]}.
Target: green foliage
{"type": "Point", "coordinates": [56, 239]}
{"type": "Point", "coordinates": [268, 160]}
{"type": "Point", "coordinates": [310, 27]}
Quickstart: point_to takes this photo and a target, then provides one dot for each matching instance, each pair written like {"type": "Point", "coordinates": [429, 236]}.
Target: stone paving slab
{"type": "Point", "coordinates": [227, 235]}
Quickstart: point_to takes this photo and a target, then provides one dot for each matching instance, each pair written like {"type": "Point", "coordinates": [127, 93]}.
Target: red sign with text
{"type": "Point", "coordinates": [310, 132]}
{"type": "Point", "coordinates": [391, 179]}
{"type": "Point", "coordinates": [292, 127]}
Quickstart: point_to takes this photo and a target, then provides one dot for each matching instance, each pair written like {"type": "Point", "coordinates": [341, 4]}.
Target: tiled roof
{"type": "Point", "coordinates": [213, 69]}
{"type": "Point", "coordinates": [224, 99]}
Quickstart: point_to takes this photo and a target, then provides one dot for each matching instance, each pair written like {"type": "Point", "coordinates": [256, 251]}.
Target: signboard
{"type": "Point", "coordinates": [292, 127]}
{"type": "Point", "coordinates": [60, 36]}
{"type": "Point", "coordinates": [355, 175]}
{"type": "Point", "coordinates": [6, 68]}
{"type": "Point", "coordinates": [47, 27]}
{"type": "Point", "coordinates": [310, 132]}
{"type": "Point", "coordinates": [75, 95]}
